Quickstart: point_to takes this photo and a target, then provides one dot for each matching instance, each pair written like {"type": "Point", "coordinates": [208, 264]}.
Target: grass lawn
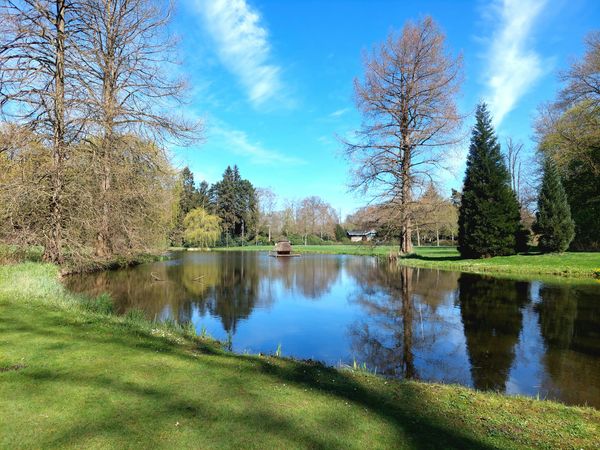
{"type": "Point", "coordinates": [72, 375]}
{"type": "Point", "coordinates": [570, 264]}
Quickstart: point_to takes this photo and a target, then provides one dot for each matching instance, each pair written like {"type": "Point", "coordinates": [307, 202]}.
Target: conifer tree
{"type": "Point", "coordinates": [553, 224]}
{"type": "Point", "coordinates": [489, 219]}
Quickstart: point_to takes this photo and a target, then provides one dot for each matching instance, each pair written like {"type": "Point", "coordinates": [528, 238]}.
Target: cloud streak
{"type": "Point", "coordinates": [239, 143]}
{"type": "Point", "coordinates": [512, 66]}
{"type": "Point", "coordinates": [339, 112]}
{"type": "Point", "coordinates": [242, 46]}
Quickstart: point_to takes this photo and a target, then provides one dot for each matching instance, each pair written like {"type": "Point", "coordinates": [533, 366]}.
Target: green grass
{"type": "Point", "coordinates": [73, 376]}
{"type": "Point", "coordinates": [569, 264]}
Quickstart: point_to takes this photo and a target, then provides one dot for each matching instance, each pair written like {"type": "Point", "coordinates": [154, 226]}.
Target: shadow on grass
{"type": "Point", "coordinates": [414, 421]}
{"type": "Point", "coordinates": [448, 258]}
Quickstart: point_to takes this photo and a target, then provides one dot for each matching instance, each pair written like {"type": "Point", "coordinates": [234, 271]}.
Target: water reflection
{"type": "Point", "coordinates": [385, 340]}
{"type": "Point", "coordinates": [491, 311]}
{"type": "Point", "coordinates": [569, 319]}
{"type": "Point", "coordinates": [522, 337]}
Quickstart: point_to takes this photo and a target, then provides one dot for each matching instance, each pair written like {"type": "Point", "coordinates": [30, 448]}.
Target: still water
{"type": "Point", "coordinates": [519, 337]}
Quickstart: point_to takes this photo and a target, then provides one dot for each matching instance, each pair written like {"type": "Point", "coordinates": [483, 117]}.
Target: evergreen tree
{"type": "Point", "coordinates": [235, 202]}
{"type": "Point", "coordinates": [189, 199]}
{"type": "Point", "coordinates": [224, 198]}
{"type": "Point", "coordinates": [340, 233]}
{"type": "Point", "coordinates": [489, 219]}
{"type": "Point", "coordinates": [189, 195]}
{"type": "Point", "coordinates": [553, 223]}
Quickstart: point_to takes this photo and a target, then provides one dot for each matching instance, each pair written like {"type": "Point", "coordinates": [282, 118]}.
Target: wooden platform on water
{"type": "Point", "coordinates": [283, 255]}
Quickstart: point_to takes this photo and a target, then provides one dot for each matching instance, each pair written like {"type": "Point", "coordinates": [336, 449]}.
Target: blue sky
{"type": "Point", "coordinates": [273, 79]}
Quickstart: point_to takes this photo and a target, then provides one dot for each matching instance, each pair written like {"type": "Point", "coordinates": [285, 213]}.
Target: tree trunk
{"type": "Point", "coordinates": [408, 361]}
{"type": "Point", "coordinates": [406, 241]}
{"type": "Point", "coordinates": [104, 245]}
{"type": "Point", "coordinates": [406, 244]}
{"type": "Point", "coordinates": [53, 245]}
{"type": "Point", "coordinates": [437, 235]}
{"type": "Point", "coordinates": [418, 237]}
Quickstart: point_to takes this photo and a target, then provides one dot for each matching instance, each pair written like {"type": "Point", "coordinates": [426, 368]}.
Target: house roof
{"type": "Point", "coordinates": [361, 233]}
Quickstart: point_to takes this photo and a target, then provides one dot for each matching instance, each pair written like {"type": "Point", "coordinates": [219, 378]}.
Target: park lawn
{"type": "Point", "coordinates": [74, 376]}
{"type": "Point", "coordinates": [569, 264]}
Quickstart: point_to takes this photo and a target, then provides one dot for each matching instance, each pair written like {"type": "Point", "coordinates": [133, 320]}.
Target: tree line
{"type": "Point", "coordinates": [407, 98]}
{"type": "Point", "coordinates": [87, 111]}
{"type": "Point", "coordinates": [86, 103]}
{"type": "Point", "coordinates": [237, 213]}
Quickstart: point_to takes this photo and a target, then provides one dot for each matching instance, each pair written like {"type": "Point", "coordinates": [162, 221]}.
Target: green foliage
{"type": "Point", "coordinates": [235, 202]}
{"type": "Point", "coordinates": [573, 142]}
{"type": "Point", "coordinates": [102, 304]}
{"type": "Point", "coordinates": [190, 198]}
{"type": "Point", "coordinates": [553, 224]}
{"type": "Point", "coordinates": [489, 218]}
{"type": "Point", "coordinates": [201, 228]}
{"type": "Point", "coordinates": [340, 233]}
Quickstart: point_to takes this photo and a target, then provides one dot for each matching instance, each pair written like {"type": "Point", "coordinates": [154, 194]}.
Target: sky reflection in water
{"type": "Point", "coordinates": [490, 333]}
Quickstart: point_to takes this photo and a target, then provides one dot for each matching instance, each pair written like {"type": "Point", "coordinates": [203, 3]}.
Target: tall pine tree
{"type": "Point", "coordinates": [189, 198]}
{"type": "Point", "coordinates": [553, 224]}
{"type": "Point", "coordinates": [489, 219]}
{"type": "Point", "coordinates": [235, 202]}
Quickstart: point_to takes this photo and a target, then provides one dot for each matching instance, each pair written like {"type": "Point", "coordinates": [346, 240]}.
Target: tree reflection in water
{"type": "Point", "coordinates": [570, 327]}
{"type": "Point", "coordinates": [490, 333]}
{"type": "Point", "coordinates": [401, 318]}
{"type": "Point", "coordinates": [492, 316]}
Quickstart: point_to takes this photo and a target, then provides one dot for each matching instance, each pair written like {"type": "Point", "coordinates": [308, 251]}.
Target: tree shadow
{"type": "Point", "coordinates": [434, 258]}
{"type": "Point", "coordinates": [402, 409]}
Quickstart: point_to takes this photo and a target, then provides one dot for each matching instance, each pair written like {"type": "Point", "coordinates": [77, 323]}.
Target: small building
{"type": "Point", "coordinates": [283, 248]}
{"type": "Point", "coordinates": [361, 236]}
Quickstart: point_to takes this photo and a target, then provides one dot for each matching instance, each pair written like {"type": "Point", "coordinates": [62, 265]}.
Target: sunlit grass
{"type": "Point", "coordinates": [72, 375]}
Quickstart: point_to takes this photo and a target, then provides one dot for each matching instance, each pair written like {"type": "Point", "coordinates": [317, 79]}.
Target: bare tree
{"type": "Point", "coordinates": [407, 100]}
{"type": "Point", "coordinates": [514, 164]}
{"type": "Point", "coordinates": [125, 53]}
{"type": "Point", "coordinates": [266, 202]}
{"type": "Point", "coordinates": [582, 80]}
{"type": "Point", "coordinates": [38, 89]}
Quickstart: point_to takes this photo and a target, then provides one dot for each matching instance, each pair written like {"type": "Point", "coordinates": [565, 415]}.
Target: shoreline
{"type": "Point", "coordinates": [153, 358]}
{"type": "Point", "coordinates": [570, 265]}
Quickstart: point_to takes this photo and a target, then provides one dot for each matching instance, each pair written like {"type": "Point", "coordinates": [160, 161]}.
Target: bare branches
{"type": "Point", "coordinates": [407, 100]}
{"type": "Point", "coordinates": [582, 80]}
{"type": "Point", "coordinates": [92, 80]}
{"type": "Point", "coordinates": [126, 58]}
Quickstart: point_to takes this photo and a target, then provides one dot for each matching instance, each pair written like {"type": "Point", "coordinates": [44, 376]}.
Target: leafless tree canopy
{"type": "Point", "coordinates": [126, 55]}
{"type": "Point", "coordinates": [582, 80]}
{"type": "Point", "coordinates": [91, 80]}
{"type": "Point", "coordinates": [407, 100]}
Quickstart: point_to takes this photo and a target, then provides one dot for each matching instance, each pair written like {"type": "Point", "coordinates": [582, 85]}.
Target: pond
{"type": "Point", "coordinates": [534, 338]}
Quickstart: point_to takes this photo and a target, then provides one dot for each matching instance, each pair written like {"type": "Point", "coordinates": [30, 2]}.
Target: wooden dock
{"type": "Point", "coordinates": [283, 255]}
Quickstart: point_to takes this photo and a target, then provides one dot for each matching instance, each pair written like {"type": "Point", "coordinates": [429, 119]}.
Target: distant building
{"type": "Point", "coordinates": [361, 236]}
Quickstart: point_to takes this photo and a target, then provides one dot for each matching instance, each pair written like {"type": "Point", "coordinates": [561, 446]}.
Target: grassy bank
{"type": "Point", "coordinates": [570, 264]}
{"type": "Point", "coordinates": [12, 254]}
{"type": "Point", "coordinates": [72, 375]}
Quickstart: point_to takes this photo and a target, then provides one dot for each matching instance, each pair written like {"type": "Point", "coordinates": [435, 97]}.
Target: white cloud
{"type": "Point", "coordinates": [339, 112]}
{"type": "Point", "coordinates": [513, 67]}
{"type": "Point", "coordinates": [239, 143]}
{"type": "Point", "coordinates": [243, 46]}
